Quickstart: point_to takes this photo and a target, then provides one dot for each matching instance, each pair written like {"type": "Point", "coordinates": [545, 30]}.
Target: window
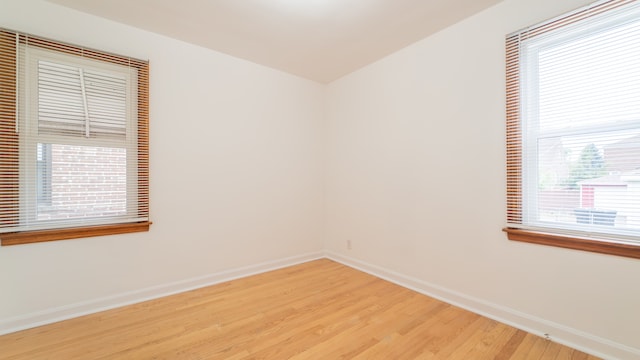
{"type": "Point", "coordinates": [573, 130]}
{"type": "Point", "coordinates": [74, 141]}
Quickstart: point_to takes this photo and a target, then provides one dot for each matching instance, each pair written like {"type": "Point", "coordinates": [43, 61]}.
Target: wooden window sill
{"type": "Point", "coordinates": [29, 237]}
{"type": "Point", "coordinates": [576, 243]}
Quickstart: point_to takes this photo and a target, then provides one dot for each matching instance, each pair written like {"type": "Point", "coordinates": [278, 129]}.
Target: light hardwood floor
{"type": "Point", "coordinates": [317, 310]}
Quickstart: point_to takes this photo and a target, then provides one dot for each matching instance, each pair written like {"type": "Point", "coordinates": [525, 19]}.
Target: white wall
{"type": "Point", "coordinates": [236, 177]}
{"type": "Point", "coordinates": [416, 182]}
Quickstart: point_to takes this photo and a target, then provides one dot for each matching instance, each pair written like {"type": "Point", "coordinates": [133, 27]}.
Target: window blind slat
{"type": "Point", "coordinates": [62, 101]}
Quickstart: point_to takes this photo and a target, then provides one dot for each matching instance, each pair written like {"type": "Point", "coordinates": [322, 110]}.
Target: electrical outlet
{"type": "Point", "coordinates": [349, 244]}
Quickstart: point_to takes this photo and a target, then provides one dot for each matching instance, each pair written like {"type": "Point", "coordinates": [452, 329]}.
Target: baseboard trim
{"type": "Point", "coordinates": [106, 303]}
{"type": "Point", "coordinates": [559, 333]}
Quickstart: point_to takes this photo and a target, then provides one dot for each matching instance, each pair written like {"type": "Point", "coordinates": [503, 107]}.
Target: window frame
{"type": "Point", "coordinates": [30, 137]}
{"type": "Point", "coordinates": [516, 170]}
{"type": "Point", "coordinates": [11, 161]}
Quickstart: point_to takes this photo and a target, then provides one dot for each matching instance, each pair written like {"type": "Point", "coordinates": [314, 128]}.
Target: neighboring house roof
{"type": "Point", "coordinates": [623, 155]}
{"type": "Point", "coordinates": [633, 142]}
{"type": "Point", "coordinates": [631, 176]}
{"type": "Point", "coordinates": [607, 180]}
{"type": "Point", "coordinates": [621, 179]}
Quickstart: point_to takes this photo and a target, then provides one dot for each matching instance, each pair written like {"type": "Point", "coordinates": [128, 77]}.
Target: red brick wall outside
{"type": "Point", "coordinates": [86, 182]}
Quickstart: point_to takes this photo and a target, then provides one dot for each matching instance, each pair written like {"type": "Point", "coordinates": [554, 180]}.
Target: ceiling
{"type": "Point", "coordinates": [320, 40]}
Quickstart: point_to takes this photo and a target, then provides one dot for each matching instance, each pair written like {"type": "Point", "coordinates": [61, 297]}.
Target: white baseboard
{"type": "Point", "coordinates": [89, 307]}
{"type": "Point", "coordinates": [573, 338]}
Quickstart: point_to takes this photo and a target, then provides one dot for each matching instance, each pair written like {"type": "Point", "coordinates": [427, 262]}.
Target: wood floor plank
{"type": "Point", "coordinates": [511, 346]}
{"type": "Point", "coordinates": [316, 310]}
{"type": "Point", "coordinates": [444, 344]}
{"type": "Point", "coordinates": [537, 349]}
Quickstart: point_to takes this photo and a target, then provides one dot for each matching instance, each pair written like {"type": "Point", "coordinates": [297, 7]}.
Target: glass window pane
{"type": "Point", "coordinates": [85, 182]}
{"type": "Point", "coordinates": [590, 179]}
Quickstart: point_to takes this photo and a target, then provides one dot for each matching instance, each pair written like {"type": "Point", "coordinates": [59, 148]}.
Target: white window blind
{"type": "Point", "coordinates": [76, 101]}
{"type": "Point", "coordinates": [74, 135]}
{"type": "Point", "coordinates": [574, 132]}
